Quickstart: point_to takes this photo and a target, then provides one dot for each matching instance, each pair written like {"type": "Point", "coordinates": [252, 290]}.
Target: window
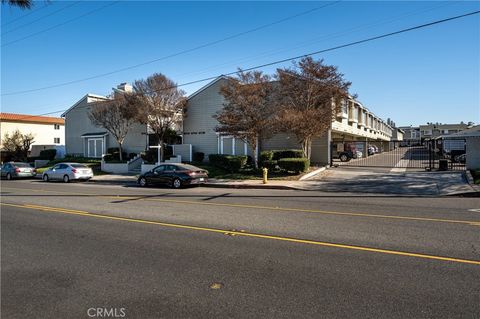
{"type": "Point", "coordinates": [56, 126]}
{"type": "Point", "coordinates": [56, 140]}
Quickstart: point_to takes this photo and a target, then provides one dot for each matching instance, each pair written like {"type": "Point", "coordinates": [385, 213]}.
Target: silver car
{"type": "Point", "coordinates": [67, 172]}
{"type": "Point", "coordinates": [13, 170]}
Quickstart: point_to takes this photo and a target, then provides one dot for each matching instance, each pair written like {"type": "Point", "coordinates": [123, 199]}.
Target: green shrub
{"type": "Point", "coordinates": [198, 157]}
{"type": "Point", "coordinates": [265, 156]}
{"type": "Point", "coordinates": [270, 164]}
{"type": "Point", "coordinates": [48, 154]}
{"type": "Point", "coordinates": [232, 163]}
{"type": "Point", "coordinates": [279, 154]}
{"type": "Point", "coordinates": [294, 164]}
{"type": "Point", "coordinates": [131, 155]}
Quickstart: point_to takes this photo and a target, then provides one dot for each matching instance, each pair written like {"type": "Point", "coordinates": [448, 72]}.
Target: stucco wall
{"type": "Point", "coordinates": [44, 133]}
{"type": "Point", "coordinates": [473, 153]}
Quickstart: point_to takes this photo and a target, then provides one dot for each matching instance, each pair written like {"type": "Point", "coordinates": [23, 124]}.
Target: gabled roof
{"type": "Point", "coordinates": [31, 118]}
{"type": "Point", "coordinates": [86, 96]}
{"type": "Point", "coordinates": [221, 77]}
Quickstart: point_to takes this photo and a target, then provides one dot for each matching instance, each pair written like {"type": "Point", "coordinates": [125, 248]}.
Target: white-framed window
{"type": "Point", "coordinates": [56, 126]}
{"type": "Point", "coordinates": [445, 131]}
{"type": "Point", "coordinates": [56, 140]}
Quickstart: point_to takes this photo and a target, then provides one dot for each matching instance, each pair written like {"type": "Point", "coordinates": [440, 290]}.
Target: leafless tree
{"type": "Point", "coordinates": [309, 95]}
{"type": "Point", "coordinates": [18, 144]}
{"type": "Point", "coordinates": [116, 116]}
{"type": "Point", "coordinates": [160, 104]}
{"type": "Point", "coordinates": [248, 111]}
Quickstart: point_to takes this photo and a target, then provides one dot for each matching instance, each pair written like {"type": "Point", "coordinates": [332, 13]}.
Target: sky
{"type": "Point", "coordinates": [426, 75]}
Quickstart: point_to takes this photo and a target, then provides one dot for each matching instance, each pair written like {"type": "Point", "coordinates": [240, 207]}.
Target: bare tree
{"type": "Point", "coordinates": [116, 116]}
{"type": "Point", "coordinates": [161, 105]}
{"type": "Point", "coordinates": [18, 144]}
{"type": "Point", "coordinates": [248, 111]}
{"type": "Point", "coordinates": [22, 4]}
{"type": "Point", "coordinates": [309, 95]}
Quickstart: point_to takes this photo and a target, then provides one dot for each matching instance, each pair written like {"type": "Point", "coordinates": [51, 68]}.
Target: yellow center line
{"type": "Point", "coordinates": [271, 208]}
{"type": "Point", "coordinates": [246, 234]}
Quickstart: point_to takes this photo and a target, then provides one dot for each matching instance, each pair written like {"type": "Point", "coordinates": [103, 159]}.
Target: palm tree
{"type": "Point", "coordinates": [22, 4]}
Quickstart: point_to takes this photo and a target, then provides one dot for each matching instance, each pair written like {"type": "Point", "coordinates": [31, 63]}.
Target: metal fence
{"type": "Point", "coordinates": [437, 154]}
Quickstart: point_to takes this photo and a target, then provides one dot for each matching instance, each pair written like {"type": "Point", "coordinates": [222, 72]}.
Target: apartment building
{"type": "Point", "coordinates": [433, 130]}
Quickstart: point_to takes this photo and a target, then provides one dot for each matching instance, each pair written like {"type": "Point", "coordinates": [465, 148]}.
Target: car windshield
{"type": "Point", "coordinates": [78, 166]}
{"type": "Point", "coordinates": [21, 165]}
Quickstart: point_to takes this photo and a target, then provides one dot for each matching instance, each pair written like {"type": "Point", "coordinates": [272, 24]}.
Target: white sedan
{"type": "Point", "coordinates": [67, 172]}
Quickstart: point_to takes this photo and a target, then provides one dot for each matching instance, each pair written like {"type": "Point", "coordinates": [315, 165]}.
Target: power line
{"type": "Point", "coordinates": [41, 18]}
{"type": "Point", "coordinates": [25, 15]}
{"type": "Point", "coordinates": [319, 51]}
{"type": "Point", "coordinates": [177, 53]}
{"type": "Point", "coordinates": [61, 24]}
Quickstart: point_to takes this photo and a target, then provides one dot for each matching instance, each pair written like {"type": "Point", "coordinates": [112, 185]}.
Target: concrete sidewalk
{"type": "Point", "coordinates": [347, 182]}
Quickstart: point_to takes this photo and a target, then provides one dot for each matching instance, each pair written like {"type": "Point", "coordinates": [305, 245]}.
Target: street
{"type": "Point", "coordinates": [202, 252]}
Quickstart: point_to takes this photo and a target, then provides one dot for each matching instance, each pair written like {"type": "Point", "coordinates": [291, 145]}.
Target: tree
{"type": "Point", "coordinates": [18, 144]}
{"type": "Point", "coordinates": [248, 111]}
{"type": "Point", "coordinates": [160, 105]}
{"type": "Point", "coordinates": [22, 4]}
{"type": "Point", "coordinates": [116, 116]}
{"type": "Point", "coordinates": [309, 95]}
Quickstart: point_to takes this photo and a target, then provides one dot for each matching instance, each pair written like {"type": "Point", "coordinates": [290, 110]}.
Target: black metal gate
{"type": "Point", "coordinates": [435, 154]}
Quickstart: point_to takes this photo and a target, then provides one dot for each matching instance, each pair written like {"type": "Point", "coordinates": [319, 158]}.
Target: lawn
{"type": "Point", "coordinates": [247, 173]}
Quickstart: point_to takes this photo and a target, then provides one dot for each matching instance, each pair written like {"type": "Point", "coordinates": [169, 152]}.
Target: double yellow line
{"type": "Point", "coordinates": [244, 234]}
{"type": "Point", "coordinates": [270, 208]}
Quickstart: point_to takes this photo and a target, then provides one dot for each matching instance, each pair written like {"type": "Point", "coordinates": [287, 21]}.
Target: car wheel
{"type": "Point", "coordinates": [176, 183]}
{"type": "Point", "coordinates": [9, 176]}
{"type": "Point", "coordinates": [45, 178]}
{"type": "Point", "coordinates": [143, 182]}
{"type": "Point", "coordinates": [66, 179]}
{"type": "Point", "coordinates": [343, 158]}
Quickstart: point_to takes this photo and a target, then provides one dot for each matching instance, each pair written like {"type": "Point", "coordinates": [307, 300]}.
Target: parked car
{"type": "Point", "coordinates": [174, 175]}
{"type": "Point", "coordinates": [13, 170]}
{"type": "Point", "coordinates": [371, 150]}
{"type": "Point", "coordinates": [67, 172]}
{"type": "Point", "coordinates": [349, 152]}
{"type": "Point", "coordinates": [460, 159]}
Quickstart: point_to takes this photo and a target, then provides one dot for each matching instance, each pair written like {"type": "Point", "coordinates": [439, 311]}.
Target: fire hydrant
{"type": "Point", "coordinates": [265, 175]}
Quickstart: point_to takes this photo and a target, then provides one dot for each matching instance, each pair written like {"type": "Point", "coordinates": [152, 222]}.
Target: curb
{"type": "Point", "coordinates": [311, 174]}
{"type": "Point", "coordinates": [247, 186]}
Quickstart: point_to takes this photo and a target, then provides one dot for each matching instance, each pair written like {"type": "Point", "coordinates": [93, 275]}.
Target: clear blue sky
{"type": "Point", "coordinates": [429, 75]}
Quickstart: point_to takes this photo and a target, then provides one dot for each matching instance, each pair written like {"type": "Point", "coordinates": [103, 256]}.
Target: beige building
{"type": "Point", "coordinates": [354, 123]}
{"type": "Point", "coordinates": [433, 130]}
{"type": "Point", "coordinates": [83, 138]}
{"type": "Point", "coordinates": [49, 132]}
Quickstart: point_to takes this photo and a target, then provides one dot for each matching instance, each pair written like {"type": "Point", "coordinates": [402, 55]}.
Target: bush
{"type": "Point", "coordinates": [279, 154]}
{"type": "Point", "coordinates": [232, 163]}
{"type": "Point", "coordinates": [198, 157]}
{"type": "Point", "coordinates": [48, 154]}
{"type": "Point", "coordinates": [131, 155]}
{"type": "Point", "coordinates": [270, 164]}
{"type": "Point", "coordinates": [265, 156]}
{"type": "Point", "coordinates": [294, 164]}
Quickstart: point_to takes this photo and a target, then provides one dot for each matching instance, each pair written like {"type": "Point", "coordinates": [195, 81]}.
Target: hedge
{"type": "Point", "coordinates": [270, 164]}
{"type": "Point", "coordinates": [294, 164]}
{"type": "Point", "coordinates": [198, 157]}
{"type": "Point", "coordinates": [279, 154]}
{"type": "Point", "coordinates": [232, 163]}
{"type": "Point", "coordinates": [48, 154]}
{"type": "Point", "coordinates": [265, 156]}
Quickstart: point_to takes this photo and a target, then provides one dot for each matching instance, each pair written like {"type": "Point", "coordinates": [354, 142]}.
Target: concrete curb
{"type": "Point", "coordinates": [311, 174]}
{"type": "Point", "coordinates": [249, 186]}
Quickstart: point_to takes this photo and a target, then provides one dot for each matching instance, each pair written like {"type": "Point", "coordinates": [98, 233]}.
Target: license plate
{"type": "Point", "coordinates": [201, 179]}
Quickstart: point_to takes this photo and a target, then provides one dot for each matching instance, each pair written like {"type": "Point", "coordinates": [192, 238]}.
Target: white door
{"type": "Point", "coordinates": [95, 147]}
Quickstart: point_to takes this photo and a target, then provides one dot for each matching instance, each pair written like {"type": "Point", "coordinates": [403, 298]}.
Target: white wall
{"type": "Point", "coordinates": [44, 133]}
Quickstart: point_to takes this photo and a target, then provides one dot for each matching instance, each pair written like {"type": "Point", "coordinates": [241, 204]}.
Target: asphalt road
{"type": "Point", "coordinates": [207, 253]}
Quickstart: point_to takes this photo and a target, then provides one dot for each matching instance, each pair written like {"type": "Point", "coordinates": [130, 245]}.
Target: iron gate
{"type": "Point", "coordinates": [435, 154]}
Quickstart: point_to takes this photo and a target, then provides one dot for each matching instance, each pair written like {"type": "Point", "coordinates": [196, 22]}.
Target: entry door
{"type": "Point", "coordinates": [95, 147]}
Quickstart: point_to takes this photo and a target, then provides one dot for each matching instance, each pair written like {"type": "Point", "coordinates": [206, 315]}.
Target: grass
{"type": "Point", "coordinates": [243, 174]}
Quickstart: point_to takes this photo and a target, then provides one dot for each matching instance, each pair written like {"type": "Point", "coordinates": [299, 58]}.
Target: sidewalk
{"type": "Point", "coordinates": [345, 182]}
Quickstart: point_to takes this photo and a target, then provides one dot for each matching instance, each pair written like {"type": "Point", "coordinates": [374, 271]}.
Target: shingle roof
{"type": "Point", "coordinates": [31, 118]}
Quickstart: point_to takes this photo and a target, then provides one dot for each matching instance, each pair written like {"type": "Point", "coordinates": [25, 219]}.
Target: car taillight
{"type": "Point", "coordinates": [74, 170]}
{"type": "Point", "coordinates": [191, 173]}
{"type": "Point", "coordinates": [17, 170]}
